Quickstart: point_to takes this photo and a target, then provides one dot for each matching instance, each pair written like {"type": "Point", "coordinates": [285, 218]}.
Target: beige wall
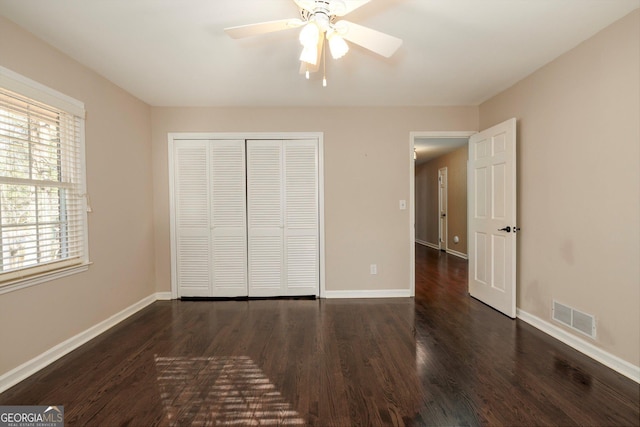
{"type": "Point", "coordinates": [426, 189]}
{"type": "Point", "coordinates": [118, 153]}
{"type": "Point", "coordinates": [367, 160]}
{"type": "Point", "coordinates": [579, 183]}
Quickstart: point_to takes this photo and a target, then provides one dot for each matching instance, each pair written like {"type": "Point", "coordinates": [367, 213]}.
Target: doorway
{"type": "Point", "coordinates": [491, 223]}
{"type": "Point", "coordinates": [427, 147]}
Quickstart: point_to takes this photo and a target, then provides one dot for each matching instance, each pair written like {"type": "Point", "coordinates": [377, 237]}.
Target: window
{"type": "Point", "coordinates": [42, 188]}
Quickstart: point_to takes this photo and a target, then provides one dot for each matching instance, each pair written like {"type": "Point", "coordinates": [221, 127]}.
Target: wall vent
{"type": "Point", "coordinates": [577, 320]}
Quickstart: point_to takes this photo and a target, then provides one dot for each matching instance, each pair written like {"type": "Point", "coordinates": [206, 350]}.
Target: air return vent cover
{"type": "Point", "coordinates": [577, 320]}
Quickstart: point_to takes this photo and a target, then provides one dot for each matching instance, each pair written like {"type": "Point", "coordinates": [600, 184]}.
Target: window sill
{"type": "Point", "coordinates": [18, 284]}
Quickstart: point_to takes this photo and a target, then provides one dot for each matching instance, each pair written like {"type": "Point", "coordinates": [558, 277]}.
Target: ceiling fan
{"type": "Point", "coordinates": [319, 20]}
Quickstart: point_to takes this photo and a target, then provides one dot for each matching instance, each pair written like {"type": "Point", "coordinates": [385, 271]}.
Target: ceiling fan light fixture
{"type": "Point", "coordinates": [337, 45]}
{"type": "Point", "coordinates": [309, 35]}
{"type": "Point", "coordinates": [309, 54]}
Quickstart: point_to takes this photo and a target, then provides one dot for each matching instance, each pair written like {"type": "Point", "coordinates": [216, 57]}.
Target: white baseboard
{"type": "Point", "coordinates": [385, 293]}
{"type": "Point", "coordinates": [436, 247]}
{"type": "Point", "coordinates": [427, 244]}
{"type": "Point", "coordinates": [163, 296]}
{"type": "Point", "coordinates": [458, 254]}
{"type": "Point", "coordinates": [14, 376]}
{"type": "Point", "coordinates": [614, 362]}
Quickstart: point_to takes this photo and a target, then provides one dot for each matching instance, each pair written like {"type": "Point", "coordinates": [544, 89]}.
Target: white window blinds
{"type": "Point", "coordinates": [42, 200]}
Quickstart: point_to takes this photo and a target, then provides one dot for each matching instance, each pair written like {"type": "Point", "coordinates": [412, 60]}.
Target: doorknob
{"type": "Point", "coordinates": [507, 229]}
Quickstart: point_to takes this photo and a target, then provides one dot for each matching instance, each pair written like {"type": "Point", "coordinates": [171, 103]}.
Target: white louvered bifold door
{"type": "Point", "coordinates": [301, 238]}
{"type": "Point", "coordinates": [210, 212]}
{"type": "Point", "coordinates": [191, 199]}
{"type": "Point", "coordinates": [246, 225]}
{"type": "Point", "coordinates": [228, 218]}
{"type": "Point", "coordinates": [265, 218]}
{"type": "Point", "coordinates": [282, 190]}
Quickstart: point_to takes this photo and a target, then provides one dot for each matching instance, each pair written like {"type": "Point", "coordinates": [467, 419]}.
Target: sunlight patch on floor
{"type": "Point", "coordinates": [220, 391]}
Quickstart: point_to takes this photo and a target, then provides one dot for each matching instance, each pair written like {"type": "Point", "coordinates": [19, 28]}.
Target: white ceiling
{"type": "Point", "coordinates": [175, 53]}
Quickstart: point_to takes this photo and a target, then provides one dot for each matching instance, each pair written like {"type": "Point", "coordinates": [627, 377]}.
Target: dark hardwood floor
{"type": "Point", "coordinates": [442, 358]}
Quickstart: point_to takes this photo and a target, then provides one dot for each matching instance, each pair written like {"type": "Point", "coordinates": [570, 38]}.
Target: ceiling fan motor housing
{"type": "Point", "coordinates": [323, 12]}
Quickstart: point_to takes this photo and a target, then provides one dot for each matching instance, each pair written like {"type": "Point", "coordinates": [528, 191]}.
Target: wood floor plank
{"type": "Point", "coordinates": [442, 358]}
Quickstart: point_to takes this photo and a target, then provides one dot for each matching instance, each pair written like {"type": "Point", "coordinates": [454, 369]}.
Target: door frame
{"type": "Point", "coordinates": [443, 222]}
{"type": "Point", "coordinates": [173, 136]}
{"type": "Point", "coordinates": [412, 213]}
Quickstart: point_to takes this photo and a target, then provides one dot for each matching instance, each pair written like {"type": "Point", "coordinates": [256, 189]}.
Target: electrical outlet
{"type": "Point", "coordinates": [373, 269]}
{"type": "Point", "coordinates": [403, 205]}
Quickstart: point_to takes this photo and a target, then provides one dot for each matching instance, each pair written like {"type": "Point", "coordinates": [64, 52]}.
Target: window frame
{"type": "Point", "coordinates": [41, 273]}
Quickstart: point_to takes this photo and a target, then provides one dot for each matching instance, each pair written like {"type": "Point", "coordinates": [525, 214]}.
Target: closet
{"type": "Point", "coordinates": [245, 217]}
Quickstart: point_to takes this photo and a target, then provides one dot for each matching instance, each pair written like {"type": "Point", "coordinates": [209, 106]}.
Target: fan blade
{"type": "Point", "coordinates": [375, 41]}
{"type": "Point", "coordinates": [262, 28]}
{"type": "Point", "coordinates": [353, 5]}
{"type": "Point", "coordinates": [308, 5]}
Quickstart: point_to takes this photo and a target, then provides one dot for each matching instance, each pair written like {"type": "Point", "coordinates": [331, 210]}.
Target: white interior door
{"type": "Point", "coordinates": [301, 232]}
{"type": "Point", "coordinates": [246, 218]}
{"type": "Point", "coordinates": [191, 177]}
{"type": "Point", "coordinates": [265, 218]}
{"type": "Point", "coordinates": [442, 208]}
{"type": "Point", "coordinates": [210, 211]}
{"type": "Point", "coordinates": [283, 231]}
{"type": "Point", "coordinates": [492, 217]}
{"type": "Point", "coordinates": [227, 187]}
